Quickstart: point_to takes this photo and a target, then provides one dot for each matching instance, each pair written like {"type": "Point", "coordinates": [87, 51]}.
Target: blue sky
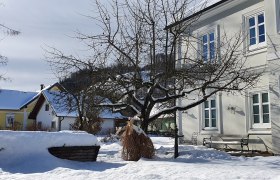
{"type": "Point", "coordinates": [42, 23]}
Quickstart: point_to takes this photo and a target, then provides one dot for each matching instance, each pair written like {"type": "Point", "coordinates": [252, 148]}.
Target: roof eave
{"type": "Point", "coordinates": [196, 14]}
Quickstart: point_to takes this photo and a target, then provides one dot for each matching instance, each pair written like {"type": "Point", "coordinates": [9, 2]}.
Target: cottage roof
{"type": "Point", "coordinates": [15, 100]}
{"type": "Point", "coordinates": [57, 99]}
{"type": "Point", "coordinates": [59, 102]}
{"type": "Point", "coordinates": [108, 114]}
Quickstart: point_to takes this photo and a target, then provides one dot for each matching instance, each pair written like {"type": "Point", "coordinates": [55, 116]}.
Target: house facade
{"type": "Point", "coordinates": [50, 112]}
{"type": "Point", "coordinates": [111, 121]}
{"type": "Point", "coordinates": [256, 111]}
{"type": "Point", "coordinates": [15, 107]}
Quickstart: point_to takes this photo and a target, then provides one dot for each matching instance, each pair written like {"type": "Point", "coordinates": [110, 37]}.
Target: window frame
{"type": "Point", "coordinates": [207, 31]}
{"type": "Point", "coordinates": [53, 124]}
{"type": "Point", "coordinates": [207, 44]}
{"type": "Point", "coordinates": [47, 107]}
{"type": "Point", "coordinates": [209, 109]}
{"type": "Point", "coordinates": [247, 27]}
{"type": "Point", "coordinates": [260, 103]}
{"type": "Point", "coordinates": [218, 128]}
{"type": "Point", "coordinates": [39, 125]}
{"type": "Point", "coordinates": [10, 115]}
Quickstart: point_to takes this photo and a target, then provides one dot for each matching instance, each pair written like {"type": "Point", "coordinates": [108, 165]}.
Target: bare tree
{"type": "Point", "coordinates": [77, 95]}
{"type": "Point", "coordinates": [134, 34]}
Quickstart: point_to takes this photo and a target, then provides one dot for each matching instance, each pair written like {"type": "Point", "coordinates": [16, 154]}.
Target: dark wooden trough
{"type": "Point", "coordinates": [75, 153]}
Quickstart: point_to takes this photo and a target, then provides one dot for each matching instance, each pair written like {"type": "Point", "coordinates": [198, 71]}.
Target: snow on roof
{"type": "Point", "coordinates": [15, 100]}
{"type": "Point", "coordinates": [197, 7]}
{"type": "Point", "coordinates": [201, 4]}
{"type": "Point", "coordinates": [59, 102]}
{"type": "Point", "coordinates": [108, 114]}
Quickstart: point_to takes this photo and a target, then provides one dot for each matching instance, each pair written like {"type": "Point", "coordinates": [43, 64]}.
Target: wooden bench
{"type": "Point", "coordinates": [227, 140]}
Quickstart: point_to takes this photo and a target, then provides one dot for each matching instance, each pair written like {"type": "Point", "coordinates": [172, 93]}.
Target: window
{"type": "Point", "coordinates": [53, 125]}
{"type": "Point", "coordinates": [39, 125]}
{"type": "Point", "coordinates": [47, 107]}
{"type": "Point", "coordinates": [260, 110]}
{"type": "Point", "coordinates": [210, 114]}
{"type": "Point", "coordinates": [10, 119]}
{"type": "Point", "coordinates": [208, 47]}
{"type": "Point", "coordinates": [256, 30]}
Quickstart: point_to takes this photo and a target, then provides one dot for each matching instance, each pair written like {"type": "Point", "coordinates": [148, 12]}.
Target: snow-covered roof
{"type": "Point", "coordinates": [15, 100]}
{"type": "Point", "coordinates": [59, 102]}
{"type": "Point", "coordinates": [199, 7]}
{"type": "Point", "coordinates": [108, 114]}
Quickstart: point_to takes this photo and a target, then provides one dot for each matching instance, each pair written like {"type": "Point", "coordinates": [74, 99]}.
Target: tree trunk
{"type": "Point", "coordinates": [81, 125]}
{"type": "Point", "coordinates": [144, 125]}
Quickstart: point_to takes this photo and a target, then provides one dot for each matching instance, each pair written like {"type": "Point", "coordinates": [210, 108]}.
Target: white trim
{"type": "Point", "coordinates": [179, 56]}
{"type": "Point", "coordinates": [207, 31]}
{"type": "Point", "coordinates": [277, 13]}
{"type": "Point", "coordinates": [180, 118]}
{"type": "Point", "coordinates": [211, 130]}
{"type": "Point", "coordinates": [249, 49]}
{"type": "Point", "coordinates": [260, 132]}
{"type": "Point", "coordinates": [259, 125]}
{"type": "Point", "coordinates": [25, 117]}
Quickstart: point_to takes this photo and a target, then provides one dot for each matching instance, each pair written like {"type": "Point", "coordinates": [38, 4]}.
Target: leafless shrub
{"type": "Point", "coordinates": [136, 144]}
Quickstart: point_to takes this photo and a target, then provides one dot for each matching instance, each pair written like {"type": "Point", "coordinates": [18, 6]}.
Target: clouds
{"type": "Point", "coordinates": [42, 23]}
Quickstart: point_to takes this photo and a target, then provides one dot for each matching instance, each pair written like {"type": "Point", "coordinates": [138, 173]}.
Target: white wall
{"type": "Point", "coordinates": [65, 123]}
{"type": "Point", "coordinates": [46, 117]}
{"type": "Point", "coordinates": [107, 125]}
{"type": "Point", "coordinates": [234, 114]}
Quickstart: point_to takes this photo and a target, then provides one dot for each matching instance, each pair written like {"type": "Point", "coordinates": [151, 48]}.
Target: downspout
{"type": "Point", "coordinates": [59, 122]}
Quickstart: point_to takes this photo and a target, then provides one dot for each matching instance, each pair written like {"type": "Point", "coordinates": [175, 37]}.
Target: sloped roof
{"type": "Point", "coordinates": [201, 8]}
{"type": "Point", "coordinates": [59, 103]}
{"type": "Point", "coordinates": [15, 100]}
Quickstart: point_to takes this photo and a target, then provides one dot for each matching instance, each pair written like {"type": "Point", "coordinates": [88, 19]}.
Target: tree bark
{"type": "Point", "coordinates": [144, 125]}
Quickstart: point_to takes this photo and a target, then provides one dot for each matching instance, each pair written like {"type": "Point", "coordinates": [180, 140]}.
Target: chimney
{"type": "Point", "coordinates": [42, 86]}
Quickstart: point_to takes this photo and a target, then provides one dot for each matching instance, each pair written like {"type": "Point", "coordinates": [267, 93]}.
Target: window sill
{"type": "Point", "coordinates": [256, 50]}
{"type": "Point", "coordinates": [209, 131]}
{"type": "Point", "coordinates": [260, 131]}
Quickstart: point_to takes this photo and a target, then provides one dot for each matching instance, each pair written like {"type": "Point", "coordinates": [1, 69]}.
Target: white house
{"type": "Point", "coordinates": [111, 121]}
{"type": "Point", "coordinates": [51, 112]}
{"type": "Point", "coordinates": [256, 112]}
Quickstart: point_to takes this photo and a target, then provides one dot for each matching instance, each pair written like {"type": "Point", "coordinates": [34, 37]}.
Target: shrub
{"type": "Point", "coordinates": [136, 144]}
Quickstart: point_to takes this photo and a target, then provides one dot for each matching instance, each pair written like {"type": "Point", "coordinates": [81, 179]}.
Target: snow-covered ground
{"type": "Point", "coordinates": [27, 160]}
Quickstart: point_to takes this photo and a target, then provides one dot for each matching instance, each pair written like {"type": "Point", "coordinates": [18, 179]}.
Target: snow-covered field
{"type": "Point", "coordinates": [24, 156]}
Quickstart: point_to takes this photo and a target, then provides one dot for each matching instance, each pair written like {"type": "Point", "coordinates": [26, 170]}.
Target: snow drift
{"type": "Point", "coordinates": [31, 147]}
